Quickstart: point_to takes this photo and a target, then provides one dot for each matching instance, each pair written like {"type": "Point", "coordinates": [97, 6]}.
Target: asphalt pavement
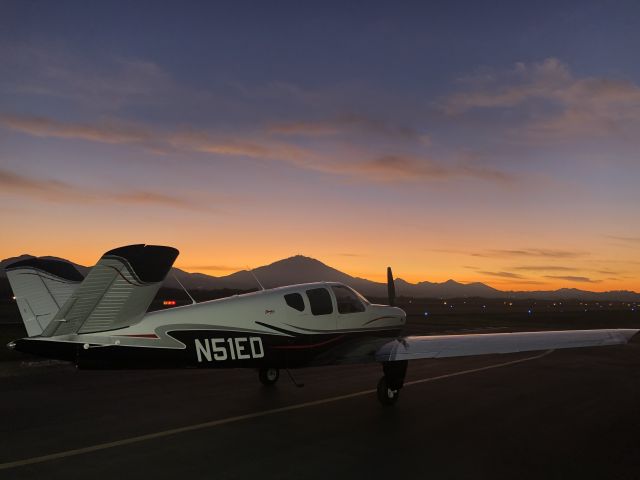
{"type": "Point", "coordinates": [563, 414]}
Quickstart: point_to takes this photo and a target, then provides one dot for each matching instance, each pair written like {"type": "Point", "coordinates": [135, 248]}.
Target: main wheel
{"type": "Point", "coordinates": [386, 396]}
{"type": "Point", "coordinates": [268, 376]}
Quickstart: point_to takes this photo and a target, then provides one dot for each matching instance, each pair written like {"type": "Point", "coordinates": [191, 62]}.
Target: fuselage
{"type": "Point", "coordinates": [287, 327]}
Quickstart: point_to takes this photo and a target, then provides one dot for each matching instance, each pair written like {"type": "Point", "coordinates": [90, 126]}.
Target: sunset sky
{"type": "Point", "coordinates": [480, 141]}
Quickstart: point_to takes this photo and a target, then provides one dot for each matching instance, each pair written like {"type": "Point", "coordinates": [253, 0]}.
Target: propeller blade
{"type": "Point", "coordinates": [391, 287]}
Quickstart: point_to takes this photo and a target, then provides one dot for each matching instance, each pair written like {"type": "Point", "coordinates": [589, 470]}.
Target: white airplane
{"type": "Point", "coordinates": [102, 321]}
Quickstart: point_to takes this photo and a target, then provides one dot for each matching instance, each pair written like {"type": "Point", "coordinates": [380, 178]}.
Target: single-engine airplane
{"type": "Point", "coordinates": [102, 321]}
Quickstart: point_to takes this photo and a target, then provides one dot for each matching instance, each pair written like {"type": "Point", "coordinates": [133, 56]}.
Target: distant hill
{"type": "Point", "coordinates": [301, 269]}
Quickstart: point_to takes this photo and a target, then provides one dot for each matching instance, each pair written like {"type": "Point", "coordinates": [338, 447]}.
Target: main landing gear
{"type": "Point", "coordinates": [391, 382]}
{"type": "Point", "coordinates": [268, 376]}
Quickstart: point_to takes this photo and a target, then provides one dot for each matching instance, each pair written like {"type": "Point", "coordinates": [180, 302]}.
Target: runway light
{"type": "Point", "coordinates": [168, 302]}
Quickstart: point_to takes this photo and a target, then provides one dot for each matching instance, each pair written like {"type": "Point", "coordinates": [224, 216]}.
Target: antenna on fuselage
{"type": "Point", "coordinates": [250, 270]}
{"type": "Point", "coordinates": [193, 302]}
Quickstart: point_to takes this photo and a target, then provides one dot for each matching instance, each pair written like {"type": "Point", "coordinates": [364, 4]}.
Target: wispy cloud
{"type": "Point", "coordinates": [532, 252]}
{"type": "Point", "coordinates": [348, 124]}
{"type": "Point", "coordinates": [502, 274]}
{"type": "Point", "coordinates": [545, 268]}
{"type": "Point", "coordinates": [218, 268]}
{"type": "Point", "coordinates": [120, 133]}
{"type": "Point", "coordinates": [108, 83]}
{"type": "Point", "coordinates": [61, 192]}
{"type": "Point", "coordinates": [572, 278]}
{"type": "Point", "coordinates": [350, 163]}
{"type": "Point", "coordinates": [631, 241]}
{"type": "Point", "coordinates": [559, 105]}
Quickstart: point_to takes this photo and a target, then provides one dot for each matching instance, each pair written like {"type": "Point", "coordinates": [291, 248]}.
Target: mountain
{"type": "Point", "coordinates": [301, 269]}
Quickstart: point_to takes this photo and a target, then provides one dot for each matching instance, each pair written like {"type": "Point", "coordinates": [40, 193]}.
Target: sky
{"type": "Point", "coordinates": [481, 141]}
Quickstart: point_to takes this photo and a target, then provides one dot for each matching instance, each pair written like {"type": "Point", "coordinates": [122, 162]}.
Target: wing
{"type": "Point", "coordinates": [442, 346]}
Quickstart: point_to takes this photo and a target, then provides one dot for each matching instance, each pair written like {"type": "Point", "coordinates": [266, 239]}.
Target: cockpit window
{"type": "Point", "coordinates": [320, 301]}
{"type": "Point", "coordinates": [347, 300]}
{"type": "Point", "coordinates": [294, 300]}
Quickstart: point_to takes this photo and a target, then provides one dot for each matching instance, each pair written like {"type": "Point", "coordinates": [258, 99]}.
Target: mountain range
{"type": "Point", "coordinates": [301, 269]}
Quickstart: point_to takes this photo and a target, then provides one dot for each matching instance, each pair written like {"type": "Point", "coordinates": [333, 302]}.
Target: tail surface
{"type": "Point", "coordinates": [41, 286]}
{"type": "Point", "coordinates": [117, 291]}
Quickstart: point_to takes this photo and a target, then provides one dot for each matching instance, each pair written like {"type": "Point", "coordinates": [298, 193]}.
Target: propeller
{"type": "Point", "coordinates": [391, 287]}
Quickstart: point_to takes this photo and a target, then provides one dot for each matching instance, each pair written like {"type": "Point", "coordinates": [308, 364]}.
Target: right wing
{"type": "Point", "coordinates": [117, 291]}
{"type": "Point", "coordinates": [443, 346]}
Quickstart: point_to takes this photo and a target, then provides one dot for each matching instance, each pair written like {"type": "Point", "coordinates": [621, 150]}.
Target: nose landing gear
{"type": "Point", "coordinates": [391, 382]}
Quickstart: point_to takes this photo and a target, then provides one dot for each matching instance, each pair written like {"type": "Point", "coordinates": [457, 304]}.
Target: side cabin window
{"type": "Point", "coordinates": [347, 300]}
{"type": "Point", "coordinates": [320, 301]}
{"type": "Point", "coordinates": [294, 300]}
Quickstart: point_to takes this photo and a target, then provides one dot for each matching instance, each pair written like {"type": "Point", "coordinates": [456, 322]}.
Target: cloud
{"type": "Point", "coordinates": [351, 163]}
{"type": "Point", "coordinates": [348, 124]}
{"type": "Point", "coordinates": [502, 274]}
{"type": "Point", "coordinates": [61, 192]}
{"type": "Point", "coordinates": [572, 278]}
{"type": "Point", "coordinates": [390, 168]}
{"type": "Point", "coordinates": [632, 241]}
{"type": "Point", "coordinates": [507, 89]}
{"type": "Point", "coordinates": [220, 268]}
{"type": "Point", "coordinates": [558, 105]}
{"type": "Point", "coordinates": [107, 82]}
{"type": "Point", "coordinates": [545, 268]}
{"type": "Point", "coordinates": [534, 252]}
{"type": "Point", "coordinates": [45, 127]}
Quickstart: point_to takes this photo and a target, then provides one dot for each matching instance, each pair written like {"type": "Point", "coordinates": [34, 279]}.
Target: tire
{"type": "Point", "coordinates": [268, 376]}
{"type": "Point", "coordinates": [386, 396]}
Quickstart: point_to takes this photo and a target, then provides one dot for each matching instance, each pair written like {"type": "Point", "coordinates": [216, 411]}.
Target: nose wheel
{"type": "Point", "coordinates": [387, 396]}
{"type": "Point", "coordinates": [268, 376]}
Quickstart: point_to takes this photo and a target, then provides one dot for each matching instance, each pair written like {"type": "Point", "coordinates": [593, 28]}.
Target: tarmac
{"type": "Point", "coordinates": [560, 414]}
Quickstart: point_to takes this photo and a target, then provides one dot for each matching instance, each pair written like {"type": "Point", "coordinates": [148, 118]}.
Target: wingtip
{"type": "Point", "coordinates": [629, 333]}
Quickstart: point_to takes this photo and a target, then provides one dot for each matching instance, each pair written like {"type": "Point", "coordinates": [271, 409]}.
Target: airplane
{"type": "Point", "coordinates": [101, 321]}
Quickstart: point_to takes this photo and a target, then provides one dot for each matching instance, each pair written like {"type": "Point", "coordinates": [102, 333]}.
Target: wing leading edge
{"type": "Point", "coordinates": [443, 346]}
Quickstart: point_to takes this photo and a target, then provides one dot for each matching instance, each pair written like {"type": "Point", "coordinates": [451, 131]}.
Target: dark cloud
{"type": "Point", "coordinates": [572, 278]}
{"type": "Point", "coordinates": [502, 274]}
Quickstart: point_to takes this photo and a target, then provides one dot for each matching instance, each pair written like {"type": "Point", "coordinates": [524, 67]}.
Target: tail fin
{"type": "Point", "coordinates": [117, 291]}
{"type": "Point", "coordinates": [41, 287]}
